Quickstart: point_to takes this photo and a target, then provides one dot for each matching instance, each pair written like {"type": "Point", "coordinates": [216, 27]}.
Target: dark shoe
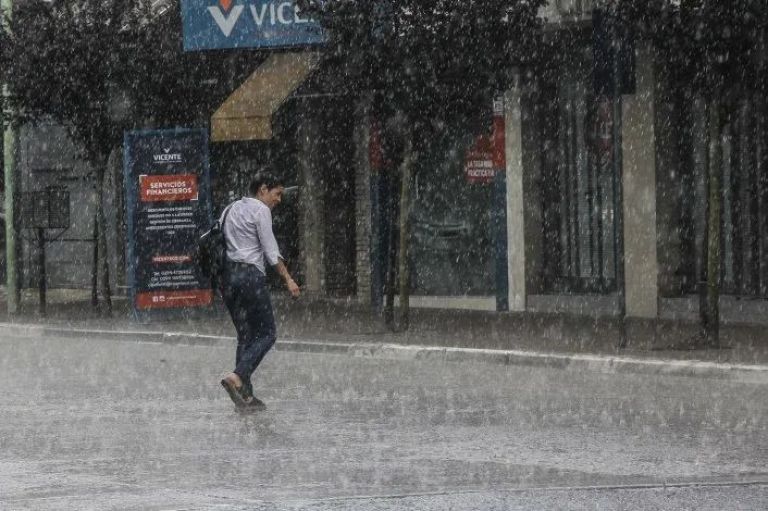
{"type": "Point", "coordinates": [234, 393]}
{"type": "Point", "coordinates": [252, 404]}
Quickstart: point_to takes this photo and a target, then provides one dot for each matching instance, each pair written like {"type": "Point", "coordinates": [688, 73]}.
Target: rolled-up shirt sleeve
{"type": "Point", "coordinates": [267, 237]}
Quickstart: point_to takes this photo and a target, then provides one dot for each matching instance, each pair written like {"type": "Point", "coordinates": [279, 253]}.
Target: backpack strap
{"type": "Point", "coordinates": [224, 218]}
{"type": "Point", "coordinates": [221, 229]}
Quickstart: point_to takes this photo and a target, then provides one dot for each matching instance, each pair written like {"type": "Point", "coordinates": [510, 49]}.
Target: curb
{"type": "Point", "coordinates": [747, 373]}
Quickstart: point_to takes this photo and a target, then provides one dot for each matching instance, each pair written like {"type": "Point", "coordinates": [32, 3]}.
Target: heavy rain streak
{"type": "Point", "coordinates": [404, 255]}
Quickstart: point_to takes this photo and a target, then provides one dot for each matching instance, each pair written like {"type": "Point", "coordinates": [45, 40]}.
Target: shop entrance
{"type": "Point", "coordinates": [337, 168]}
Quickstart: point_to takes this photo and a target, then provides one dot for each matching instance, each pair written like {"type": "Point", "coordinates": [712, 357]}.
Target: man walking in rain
{"type": "Point", "coordinates": [247, 227]}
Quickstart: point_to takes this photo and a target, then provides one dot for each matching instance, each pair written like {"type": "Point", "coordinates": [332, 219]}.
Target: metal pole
{"type": "Point", "coordinates": [404, 231]}
{"type": "Point", "coordinates": [9, 167]}
{"type": "Point", "coordinates": [712, 332]}
{"type": "Point", "coordinates": [95, 273]}
{"type": "Point", "coordinates": [43, 282]}
{"type": "Point", "coordinates": [618, 201]}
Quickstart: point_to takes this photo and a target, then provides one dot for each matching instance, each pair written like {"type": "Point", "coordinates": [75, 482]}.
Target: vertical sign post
{"type": "Point", "coordinates": [168, 201]}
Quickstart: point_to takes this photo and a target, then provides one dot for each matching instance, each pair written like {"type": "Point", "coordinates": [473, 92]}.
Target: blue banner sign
{"type": "Point", "coordinates": [222, 24]}
{"type": "Point", "coordinates": [168, 203]}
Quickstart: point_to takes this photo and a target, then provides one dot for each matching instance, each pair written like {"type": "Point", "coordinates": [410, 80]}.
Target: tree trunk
{"type": "Point", "coordinates": [404, 291]}
{"type": "Point", "coordinates": [95, 265]}
{"type": "Point", "coordinates": [117, 171]}
{"type": "Point", "coordinates": [390, 277]}
{"type": "Point", "coordinates": [711, 323]}
{"type": "Point", "coordinates": [101, 240]}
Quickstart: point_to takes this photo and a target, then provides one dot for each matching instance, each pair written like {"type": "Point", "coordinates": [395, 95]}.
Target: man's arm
{"type": "Point", "coordinates": [272, 252]}
{"type": "Point", "coordinates": [293, 288]}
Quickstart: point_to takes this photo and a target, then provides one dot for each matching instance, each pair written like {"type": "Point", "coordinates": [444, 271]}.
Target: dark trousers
{"type": "Point", "coordinates": [245, 293]}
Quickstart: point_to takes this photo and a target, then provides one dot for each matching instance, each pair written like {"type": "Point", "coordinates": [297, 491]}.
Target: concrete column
{"type": "Point", "coordinates": [516, 239]}
{"type": "Point", "coordinates": [362, 200]}
{"type": "Point", "coordinates": [311, 185]}
{"type": "Point", "coordinates": [641, 267]}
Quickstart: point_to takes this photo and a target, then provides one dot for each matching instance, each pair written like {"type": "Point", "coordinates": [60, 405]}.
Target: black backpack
{"type": "Point", "coordinates": [211, 255]}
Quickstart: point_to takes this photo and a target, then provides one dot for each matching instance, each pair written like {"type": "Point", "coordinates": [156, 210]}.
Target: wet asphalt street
{"type": "Point", "coordinates": [98, 425]}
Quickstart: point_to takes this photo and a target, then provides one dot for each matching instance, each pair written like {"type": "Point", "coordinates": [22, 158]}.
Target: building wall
{"type": "Point", "coordinates": [47, 157]}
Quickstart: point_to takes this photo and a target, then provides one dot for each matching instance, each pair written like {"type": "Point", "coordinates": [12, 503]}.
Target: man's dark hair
{"type": "Point", "coordinates": [263, 178]}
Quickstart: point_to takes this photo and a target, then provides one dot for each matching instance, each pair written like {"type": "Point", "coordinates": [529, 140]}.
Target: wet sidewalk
{"type": "Point", "coordinates": [308, 324]}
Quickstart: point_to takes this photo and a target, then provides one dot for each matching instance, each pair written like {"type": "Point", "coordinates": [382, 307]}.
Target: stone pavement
{"type": "Point", "coordinates": [501, 338]}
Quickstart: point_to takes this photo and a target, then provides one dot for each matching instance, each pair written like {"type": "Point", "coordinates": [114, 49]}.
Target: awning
{"type": "Point", "coordinates": [247, 113]}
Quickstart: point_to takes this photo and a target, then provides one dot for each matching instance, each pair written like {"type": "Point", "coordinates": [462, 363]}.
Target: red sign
{"type": "Point", "coordinates": [168, 187]}
{"type": "Point", "coordinates": [485, 157]}
{"type": "Point", "coordinates": [172, 299]}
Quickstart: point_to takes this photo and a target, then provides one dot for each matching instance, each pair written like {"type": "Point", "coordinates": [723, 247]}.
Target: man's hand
{"type": "Point", "coordinates": [293, 288]}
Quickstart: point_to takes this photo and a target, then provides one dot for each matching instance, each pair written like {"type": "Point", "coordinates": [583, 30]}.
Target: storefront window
{"type": "Point", "coordinates": [575, 129]}
{"type": "Point", "coordinates": [452, 244]}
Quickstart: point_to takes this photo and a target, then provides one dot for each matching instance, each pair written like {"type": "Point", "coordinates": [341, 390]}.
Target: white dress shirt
{"type": "Point", "coordinates": [248, 231]}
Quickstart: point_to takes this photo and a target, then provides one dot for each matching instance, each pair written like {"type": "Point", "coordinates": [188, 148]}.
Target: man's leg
{"type": "Point", "coordinates": [261, 330]}
{"type": "Point", "coordinates": [247, 388]}
{"type": "Point", "coordinates": [234, 292]}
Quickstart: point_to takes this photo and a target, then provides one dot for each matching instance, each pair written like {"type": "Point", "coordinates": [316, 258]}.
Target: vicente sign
{"type": "Point", "coordinates": [221, 24]}
{"type": "Point", "coordinates": [168, 204]}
